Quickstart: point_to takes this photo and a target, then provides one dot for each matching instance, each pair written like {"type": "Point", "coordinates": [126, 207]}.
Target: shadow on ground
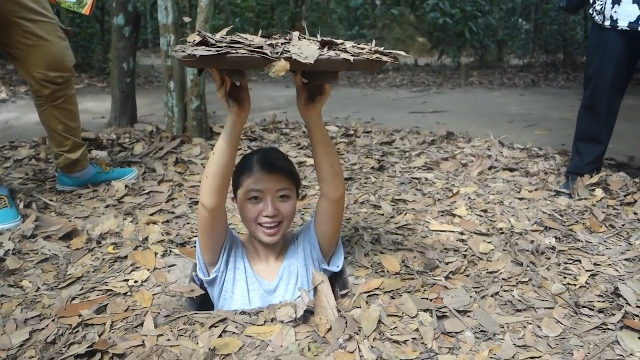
{"type": "Point", "coordinates": [631, 169]}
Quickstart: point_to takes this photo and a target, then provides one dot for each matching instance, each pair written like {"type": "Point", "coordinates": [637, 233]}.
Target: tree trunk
{"type": "Point", "coordinates": [379, 4]}
{"type": "Point", "coordinates": [172, 68]}
{"type": "Point", "coordinates": [497, 14]}
{"type": "Point", "coordinates": [125, 29]}
{"type": "Point", "coordinates": [148, 24]}
{"type": "Point", "coordinates": [102, 16]}
{"type": "Point", "coordinates": [303, 12]}
{"type": "Point", "coordinates": [197, 123]}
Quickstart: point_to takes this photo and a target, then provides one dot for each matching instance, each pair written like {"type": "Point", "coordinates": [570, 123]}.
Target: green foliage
{"type": "Point", "coordinates": [527, 30]}
{"type": "Point", "coordinates": [90, 37]}
{"type": "Point", "coordinates": [489, 31]}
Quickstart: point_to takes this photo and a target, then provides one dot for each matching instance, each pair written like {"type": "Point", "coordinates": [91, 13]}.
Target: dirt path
{"type": "Point", "coordinates": [542, 116]}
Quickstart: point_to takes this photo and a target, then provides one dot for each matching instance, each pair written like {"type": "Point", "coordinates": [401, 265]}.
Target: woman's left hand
{"type": "Point", "coordinates": [310, 97]}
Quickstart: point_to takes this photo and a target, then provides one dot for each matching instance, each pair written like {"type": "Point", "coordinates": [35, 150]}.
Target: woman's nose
{"type": "Point", "coordinates": [270, 208]}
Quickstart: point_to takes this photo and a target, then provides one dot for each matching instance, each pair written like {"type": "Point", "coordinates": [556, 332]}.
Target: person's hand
{"type": "Point", "coordinates": [234, 98]}
{"type": "Point", "coordinates": [310, 97]}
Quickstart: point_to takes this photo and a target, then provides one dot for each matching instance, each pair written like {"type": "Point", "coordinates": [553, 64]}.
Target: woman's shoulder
{"type": "Point", "coordinates": [234, 237]}
{"type": "Point", "coordinates": [231, 242]}
{"type": "Point", "coordinates": [306, 230]}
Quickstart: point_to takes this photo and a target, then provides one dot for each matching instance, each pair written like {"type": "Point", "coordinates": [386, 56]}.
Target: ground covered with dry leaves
{"type": "Point", "coordinates": [458, 248]}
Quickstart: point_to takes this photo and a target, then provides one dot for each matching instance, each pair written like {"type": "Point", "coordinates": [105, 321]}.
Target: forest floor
{"type": "Point", "coordinates": [458, 246]}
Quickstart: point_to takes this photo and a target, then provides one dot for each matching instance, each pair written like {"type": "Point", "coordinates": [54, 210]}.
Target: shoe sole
{"type": "Point", "coordinates": [564, 193]}
{"type": "Point", "coordinates": [11, 225]}
{"type": "Point", "coordinates": [132, 176]}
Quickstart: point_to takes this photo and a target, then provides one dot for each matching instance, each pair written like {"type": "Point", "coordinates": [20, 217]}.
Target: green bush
{"type": "Point", "coordinates": [491, 32]}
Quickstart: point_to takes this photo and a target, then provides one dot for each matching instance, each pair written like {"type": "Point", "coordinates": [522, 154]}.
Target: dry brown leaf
{"type": "Point", "coordinates": [20, 336]}
{"type": "Point", "coordinates": [148, 324]}
{"type": "Point", "coordinates": [5, 342]}
{"type": "Point", "coordinates": [146, 258]}
{"type": "Point", "coordinates": [72, 320]}
{"type": "Point", "coordinates": [103, 344]}
{"type": "Point", "coordinates": [632, 323]}
{"type": "Point", "coordinates": [138, 277]}
{"type": "Point", "coordinates": [262, 332]}
{"type": "Point", "coordinates": [486, 320]}
{"type": "Point", "coordinates": [386, 208]}
{"type": "Point", "coordinates": [552, 224]}
{"type": "Point", "coordinates": [392, 284]}
{"type": "Point", "coordinates": [325, 302]}
{"type": "Point", "coordinates": [443, 227]}
{"type": "Point", "coordinates": [12, 262]}
{"type": "Point", "coordinates": [628, 293]}
{"type": "Point", "coordinates": [78, 241]}
{"type": "Point", "coordinates": [596, 226]}
{"type": "Point", "coordinates": [285, 337]}
{"type": "Point", "coordinates": [343, 355]}
{"type": "Point", "coordinates": [629, 340]}
{"type": "Point", "coordinates": [189, 290]}
{"type": "Point", "coordinates": [188, 252]}
{"type": "Point", "coordinates": [120, 348]}
{"type": "Point", "coordinates": [551, 327]}
{"type": "Point", "coordinates": [616, 184]}
{"type": "Point", "coordinates": [507, 349]}
{"type": "Point", "coordinates": [361, 272]}
{"type": "Point", "coordinates": [419, 162]}
{"type": "Point", "coordinates": [278, 68]}
{"type": "Point", "coordinates": [406, 353]}
{"type": "Point", "coordinates": [144, 297]}
{"type": "Point", "coordinates": [361, 258]}
{"type": "Point", "coordinates": [468, 225]}
{"type": "Point", "coordinates": [369, 317]}
{"type": "Point", "coordinates": [226, 345]}
{"type": "Point", "coordinates": [461, 211]}
{"type": "Point", "coordinates": [160, 275]}
{"type": "Point", "coordinates": [390, 263]}
{"type": "Point", "coordinates": [485, 248]}
{"type": "Point", "coordinates": [370, 285]}
{"type": "Point", "coordinates": [408, 306]}
{"type": "Point", "coordinates": [453, 324]}
{"type": "Point", "coordinates": [72, 309]}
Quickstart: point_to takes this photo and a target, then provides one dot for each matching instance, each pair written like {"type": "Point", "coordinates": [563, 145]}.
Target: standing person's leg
{"type": "Point", "coordinates": [9, 216]}
{"type": "Point", "coordinates": [611, 59]}
{"type": "Point", "coordinates": [34, 42]}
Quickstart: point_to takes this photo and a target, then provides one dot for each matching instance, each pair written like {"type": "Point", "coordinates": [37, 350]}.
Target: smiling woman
{"type": "Point", "coordinates": [271, 264]}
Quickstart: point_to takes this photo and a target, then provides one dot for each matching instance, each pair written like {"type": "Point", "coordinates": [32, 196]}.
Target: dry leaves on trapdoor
{"type": "Point", "coordinates": [280, 49]}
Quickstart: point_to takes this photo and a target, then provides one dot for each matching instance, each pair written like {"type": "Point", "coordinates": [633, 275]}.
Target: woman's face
{"type": "Point", "coordinates": [267, 205]}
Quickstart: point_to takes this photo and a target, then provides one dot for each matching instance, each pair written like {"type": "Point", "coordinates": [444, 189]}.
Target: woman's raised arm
{"type": "Point", "coordinates": [330, 207]}
{"type": "Point", "coordinates": [214, 186]}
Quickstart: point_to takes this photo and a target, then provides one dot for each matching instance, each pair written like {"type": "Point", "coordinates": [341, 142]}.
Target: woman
{"type": "Point", "coordinates": [271, 263]}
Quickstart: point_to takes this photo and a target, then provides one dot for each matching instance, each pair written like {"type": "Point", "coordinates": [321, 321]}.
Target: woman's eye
{"type": "Point", "coordinates": [254, 198]}
{"type": "Point", "coordinates": [285, 197]}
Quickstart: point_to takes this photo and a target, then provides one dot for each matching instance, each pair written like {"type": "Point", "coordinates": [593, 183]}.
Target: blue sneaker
{"type": "Point", "coordinates": [9, 216]}
{"type": "Point", "coordinates": [103, 174]}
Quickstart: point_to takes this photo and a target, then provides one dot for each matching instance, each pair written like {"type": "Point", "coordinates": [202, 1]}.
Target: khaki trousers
{"type": "Point", "coordinates": [31, 36]}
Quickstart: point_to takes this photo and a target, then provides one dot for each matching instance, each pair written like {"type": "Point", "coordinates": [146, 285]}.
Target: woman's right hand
{"type": "Point", "coordinates": [310, 97]}
{"type": "Point", "coordinates": [235, 98]}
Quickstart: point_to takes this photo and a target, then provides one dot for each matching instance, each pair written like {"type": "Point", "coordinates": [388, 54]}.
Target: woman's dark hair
{"type": "Point", "coordinates": [269, 160]}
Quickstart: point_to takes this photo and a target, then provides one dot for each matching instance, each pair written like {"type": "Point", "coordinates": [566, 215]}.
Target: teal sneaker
{"type": "Point", "coordinates": [9, 216]}
{"type": "Point", "coordinates": [103, 174]}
